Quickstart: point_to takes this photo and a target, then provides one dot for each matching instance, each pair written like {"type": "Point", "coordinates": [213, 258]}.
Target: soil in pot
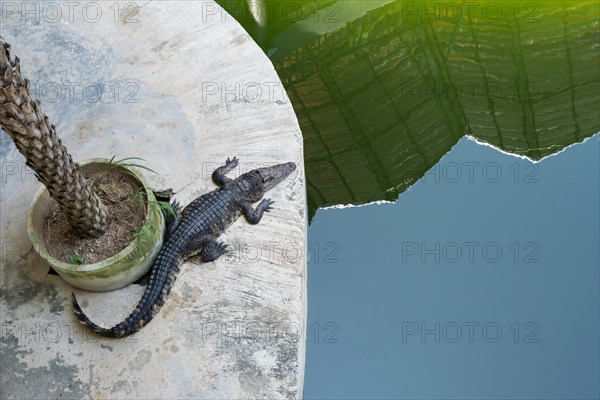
{"type": "Point", "coordinates": [125, 203]}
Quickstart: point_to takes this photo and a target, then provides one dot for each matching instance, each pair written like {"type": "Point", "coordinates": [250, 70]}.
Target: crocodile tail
{"type": "Point", "coordinates": [85, 321]}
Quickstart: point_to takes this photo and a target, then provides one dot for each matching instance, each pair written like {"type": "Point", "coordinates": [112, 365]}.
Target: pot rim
{"type": "Point", "coordinates": [74, 268]}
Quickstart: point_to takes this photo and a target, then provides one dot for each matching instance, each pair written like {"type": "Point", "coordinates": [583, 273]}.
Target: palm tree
{"type": "Point", "coordinates": [22, 118]}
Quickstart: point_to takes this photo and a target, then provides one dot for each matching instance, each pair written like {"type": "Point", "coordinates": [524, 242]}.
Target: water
{"type": "Point", "coordinates": [465, 288]}
{"type": "Point", "coordinates": [383, 90]}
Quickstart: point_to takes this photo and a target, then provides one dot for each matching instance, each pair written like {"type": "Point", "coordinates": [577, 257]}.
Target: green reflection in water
{"type": "Point", "coordinates": [383, 90]}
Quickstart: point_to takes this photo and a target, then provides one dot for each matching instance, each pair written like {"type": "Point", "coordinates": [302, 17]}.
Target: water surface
{"type": "Point", "coordinates": [482, 280]}
{"type": "Point", "coordinates": [384, 89]}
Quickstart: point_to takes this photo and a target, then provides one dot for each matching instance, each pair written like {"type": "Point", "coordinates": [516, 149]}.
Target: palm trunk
{"type": "Point", "coordinates": [22, 118]}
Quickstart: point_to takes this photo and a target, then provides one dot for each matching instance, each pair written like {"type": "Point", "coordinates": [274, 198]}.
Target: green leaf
{"type": "Point", "coordinates": [77, 260]}
{"type": "Point", "coordinates": [125, 163]}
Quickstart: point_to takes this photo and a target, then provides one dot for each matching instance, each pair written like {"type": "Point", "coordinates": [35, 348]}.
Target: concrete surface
{"type": "Point", "coordinates": [181, 85]}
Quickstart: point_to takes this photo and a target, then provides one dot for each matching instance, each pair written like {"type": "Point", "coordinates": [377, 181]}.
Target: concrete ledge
{"type": "Point", "coordinates": [183, 88]}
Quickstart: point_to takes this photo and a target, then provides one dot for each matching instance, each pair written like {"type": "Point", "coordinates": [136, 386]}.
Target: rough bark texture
{"type": "Point", "coordinates": [22, 118]}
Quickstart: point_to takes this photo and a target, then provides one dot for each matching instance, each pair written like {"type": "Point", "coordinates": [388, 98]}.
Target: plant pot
{"type": "Point", "coordinates": [118, 270]}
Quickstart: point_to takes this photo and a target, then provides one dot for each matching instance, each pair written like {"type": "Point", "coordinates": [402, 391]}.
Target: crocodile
{"type": "Point", "coordinates": [194, 231]}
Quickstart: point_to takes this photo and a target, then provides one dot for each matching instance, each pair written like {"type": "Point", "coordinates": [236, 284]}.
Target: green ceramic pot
{"type": "Point", "coordinates": [119, 270]}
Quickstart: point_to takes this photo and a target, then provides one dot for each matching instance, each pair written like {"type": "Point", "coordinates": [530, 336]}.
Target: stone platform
{"type": "Point", "coordinates": [181, 85]}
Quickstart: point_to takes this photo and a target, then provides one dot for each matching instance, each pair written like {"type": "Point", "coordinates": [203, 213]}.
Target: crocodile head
{"type": "Point", "coordinates": [255, 183]}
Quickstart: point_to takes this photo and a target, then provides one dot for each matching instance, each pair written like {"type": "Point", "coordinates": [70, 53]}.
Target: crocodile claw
{"type": "Point", "coordinates": [231, 163]}
{"type": "Point", "coordinates": [266, 204]}
{"type": "Point", "coordinates": [213, 250]}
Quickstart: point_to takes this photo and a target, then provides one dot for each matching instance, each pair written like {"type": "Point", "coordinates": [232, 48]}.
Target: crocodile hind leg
{"type": "Point", "coordinates": [195, 245]}
{"type": "Point", "coordinates": [213, 250]}
{"type": "Point", "coordinates": [172, 218]}
{"type": "Point", "coordinates": [218, 175]}
{"type": "Point", "coordinates": [163, 195]}
{"type": "Point", "coordinates": [206, 247]}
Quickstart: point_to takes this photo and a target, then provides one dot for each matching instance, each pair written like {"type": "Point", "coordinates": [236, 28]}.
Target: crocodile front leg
{"type": "Point", "coordinates": [255, 215]}
{"type": "Point", "coordinates": [218, 175]}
